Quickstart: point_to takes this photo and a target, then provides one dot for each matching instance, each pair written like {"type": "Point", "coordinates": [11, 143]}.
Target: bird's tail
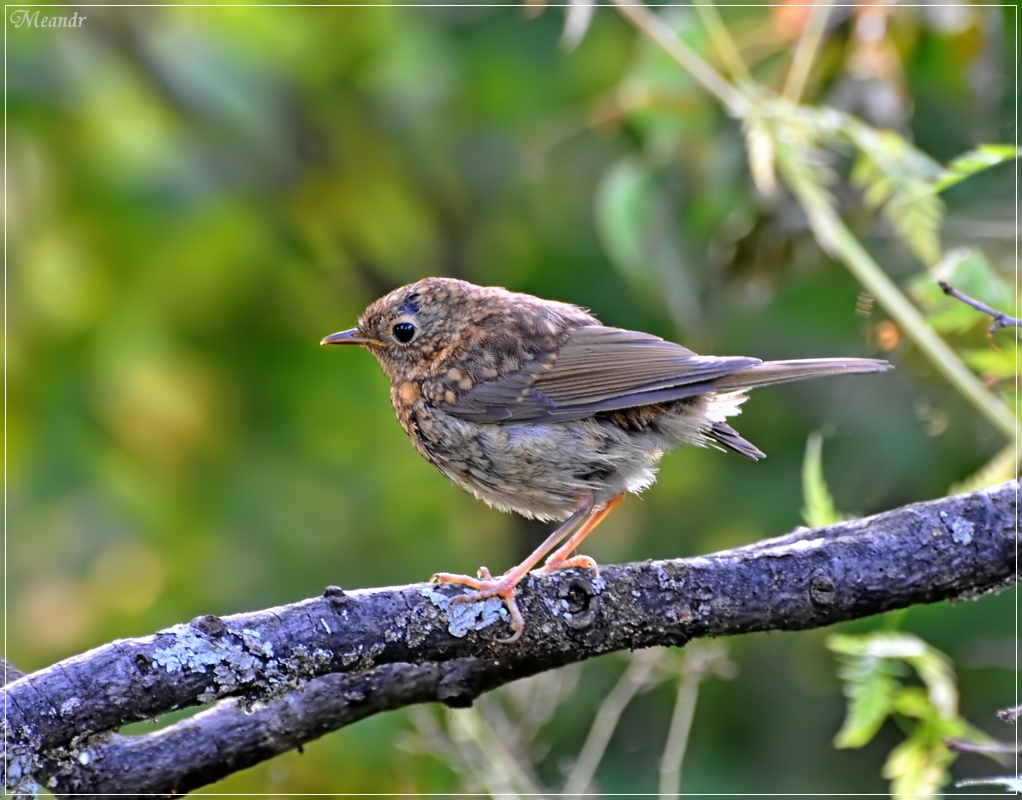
{"type": "Point", "coordinates": [770, 372]}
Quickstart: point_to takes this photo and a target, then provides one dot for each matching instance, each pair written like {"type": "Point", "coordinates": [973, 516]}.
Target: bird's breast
{"type": "Point", "coordinates": [538, 470]}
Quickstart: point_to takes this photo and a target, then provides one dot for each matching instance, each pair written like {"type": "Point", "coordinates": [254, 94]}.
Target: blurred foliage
{"type": "Point", "coordinates": [872, 666]}
{"type": "Point", "coordinates": [500, 746]}
{"type": "Point", "coordinates": [969, 271]}
{"type": "Point", "coordinates": [967, 164]}
{"type": "Point", "coordinates": [197, 195]}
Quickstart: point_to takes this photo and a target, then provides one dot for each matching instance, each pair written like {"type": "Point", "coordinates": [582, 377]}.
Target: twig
{"type": "Point", "coordinates": [722, 41]}
{"type": "Point", "coordinates": [806, 50]}
{"type": "Point", "coordinates": [1009, 784]}
{"type": "Point", "coordinates": [1010, 715]}
{"type": "Point", "coordinates": [1001, 320]}
{"type": "Point", "coordinates": [658, 30]}
{"type": "Point", "coordinates": [992, 749]}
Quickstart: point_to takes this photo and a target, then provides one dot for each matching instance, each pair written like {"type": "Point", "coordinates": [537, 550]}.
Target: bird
{"type": "Point", "coordinates": [535, 407]}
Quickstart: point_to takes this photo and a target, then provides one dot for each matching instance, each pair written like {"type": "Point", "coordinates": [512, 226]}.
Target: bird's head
{"type": "Point", "coordinates": [413, 327]}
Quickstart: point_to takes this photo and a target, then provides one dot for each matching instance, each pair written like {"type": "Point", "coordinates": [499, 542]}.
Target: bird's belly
{"type": "Point", "coordinates": [539, 470]}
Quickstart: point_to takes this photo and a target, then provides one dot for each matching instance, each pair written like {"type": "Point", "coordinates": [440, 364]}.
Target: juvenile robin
{"type": "Point", "coordinates": [536, 407]}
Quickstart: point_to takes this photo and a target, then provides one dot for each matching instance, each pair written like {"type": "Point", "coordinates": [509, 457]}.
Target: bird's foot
{"type": "Point", "coordinates": [556, 562]}
{"type": "Point", "coordinates": [486, 587]}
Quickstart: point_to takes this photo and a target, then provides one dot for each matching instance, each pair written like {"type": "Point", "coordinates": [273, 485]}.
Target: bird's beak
{"type": "Point", "coordinates": [345, 337]}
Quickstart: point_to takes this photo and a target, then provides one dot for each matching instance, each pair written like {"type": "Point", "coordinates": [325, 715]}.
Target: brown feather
{"type": "Point", "coordinates": [596, 369]}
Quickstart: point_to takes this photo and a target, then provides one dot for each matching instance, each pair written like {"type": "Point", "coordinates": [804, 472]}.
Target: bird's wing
{"type": "Point", "coordinates": [596, 369]}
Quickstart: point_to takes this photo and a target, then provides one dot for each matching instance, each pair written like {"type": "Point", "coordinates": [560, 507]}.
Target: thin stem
{"type": "Point", "coordinates": [722, 41]}
{"type": "Point", "coordinates": [658, 30]}
{"type": "Point", "coordinates": [806, 50]}
{"type": "Point", "coordinates": [677, 736]}
{"type": "Point", "coordinates": [614, 704]}
{"type": "Point", "coordinates": [497, 768]}
{"type": "Point", "coordinates": [699, 662]}
{"type": "Point", "coordinates": [835, 238]}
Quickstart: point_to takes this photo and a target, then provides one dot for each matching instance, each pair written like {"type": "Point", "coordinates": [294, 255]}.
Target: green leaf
{"type": "Point", "coordinates": [819, 505]}
{"type": "Point", "coordinates": [959, 728]}
{"type": "Point", "coordinates": [996, 362]}
{"type": "Point", "coordinates": [869, 687]}
{"type": "Point", "coordinates": [880, 644]}
{"type": "Point", "coordinates": [935, 670]}
{"type": "Point", "coordinates": [895, 178]}
{"type": "Point", "coordinates": [931, 665]}
{"type": "Point", "coordinates": [968, 164]}
{"type": "Point", "coordinates": [913, 701]}
{"type": "Point", "coordinates": [917, 767]}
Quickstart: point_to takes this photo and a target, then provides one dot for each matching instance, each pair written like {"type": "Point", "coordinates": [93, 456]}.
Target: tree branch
{"type": "Point", "coordinates": [299, 671]}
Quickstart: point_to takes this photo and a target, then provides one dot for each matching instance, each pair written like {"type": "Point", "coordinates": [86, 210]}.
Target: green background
{"type": "Point", "coordinates": [195, 196]}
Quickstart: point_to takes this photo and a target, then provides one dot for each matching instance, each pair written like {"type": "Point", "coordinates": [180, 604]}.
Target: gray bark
{"type": "Point", "coordinates": [284, 676]}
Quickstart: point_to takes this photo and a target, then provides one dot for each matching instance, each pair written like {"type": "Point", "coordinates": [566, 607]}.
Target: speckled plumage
{"type": "Point", "coordinates": [536, 407]}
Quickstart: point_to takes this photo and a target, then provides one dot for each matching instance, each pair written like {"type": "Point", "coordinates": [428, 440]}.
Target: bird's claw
{"type": "Point", "coordinates": [484, 588]}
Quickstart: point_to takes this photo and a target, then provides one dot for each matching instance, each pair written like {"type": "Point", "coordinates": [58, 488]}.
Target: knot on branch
{"type": "Point", "coordinates": [822, 590]}
{"type": "Point", "coordinates": [580, 602]}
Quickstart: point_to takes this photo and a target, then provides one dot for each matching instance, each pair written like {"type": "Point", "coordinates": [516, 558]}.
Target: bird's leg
{"type": "Point", "coordinates": [504, 586]}
{"type": "Point", "coordinates": [559, 560]}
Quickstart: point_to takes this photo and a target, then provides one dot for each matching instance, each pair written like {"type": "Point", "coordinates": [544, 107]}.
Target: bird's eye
{"type": "Point", "coordinates": [403, 332]}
